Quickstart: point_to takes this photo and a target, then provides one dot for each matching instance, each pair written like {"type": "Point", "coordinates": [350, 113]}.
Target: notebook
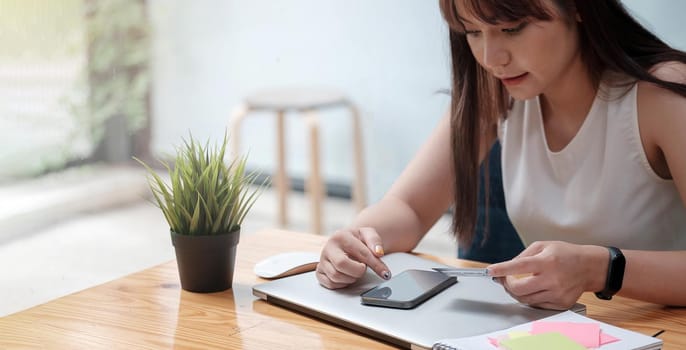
{"type": "Point", "coordinates": [472, 306]}
{"type": "Point", "coordinates": [564, 331]}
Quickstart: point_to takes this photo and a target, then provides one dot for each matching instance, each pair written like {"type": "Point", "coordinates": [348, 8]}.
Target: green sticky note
{"type": "Point", "coordinates": [543, 341]}
{"type": "Point", "coordinates": [518, 334]}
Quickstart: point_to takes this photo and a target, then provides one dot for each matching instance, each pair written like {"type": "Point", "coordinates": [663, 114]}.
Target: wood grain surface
{"type": "Point", "coordinates": [148, 310]}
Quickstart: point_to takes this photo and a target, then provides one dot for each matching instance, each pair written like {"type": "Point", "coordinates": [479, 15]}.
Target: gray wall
{"type": "Point", "coordinates": [390, 56]}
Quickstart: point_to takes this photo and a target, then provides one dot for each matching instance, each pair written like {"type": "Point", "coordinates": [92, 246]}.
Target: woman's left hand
{"type": "Point", "coordinates": [555, 274]}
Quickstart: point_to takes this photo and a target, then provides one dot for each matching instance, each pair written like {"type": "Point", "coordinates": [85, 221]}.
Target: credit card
{"type": "Point", "coordinates": [462, 271]}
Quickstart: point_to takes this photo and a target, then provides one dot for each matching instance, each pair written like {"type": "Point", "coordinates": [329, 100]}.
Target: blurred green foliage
{"type": "Point", "coordinates": [66, 67]}
{"type": "Point", "coordinates": [42, 54]}
{"type": "Point", "coordinates": [118, 37]}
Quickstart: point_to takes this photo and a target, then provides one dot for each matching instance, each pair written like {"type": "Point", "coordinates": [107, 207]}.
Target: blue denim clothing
{"type": "Point", "coordinates": [503, 242]}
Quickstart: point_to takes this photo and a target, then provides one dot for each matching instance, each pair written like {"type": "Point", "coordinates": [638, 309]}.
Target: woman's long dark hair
{"type": "Point", "coordinates": [610, 39]}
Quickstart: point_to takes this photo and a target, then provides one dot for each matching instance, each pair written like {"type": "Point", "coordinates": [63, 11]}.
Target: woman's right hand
{"type": "Point", "coordinates": [347, 254]}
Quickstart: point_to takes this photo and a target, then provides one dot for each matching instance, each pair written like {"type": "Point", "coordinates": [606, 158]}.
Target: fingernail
{"type": "Point", "coordinates": [378, 249]}
{"type": "Point", "coordinates": [386, 275]}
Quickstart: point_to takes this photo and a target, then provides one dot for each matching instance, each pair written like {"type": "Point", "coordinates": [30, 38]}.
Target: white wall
{"type": "Point", "coordinates": [663, 17]}
{"type": "Point", "coordinates": [390, 56]}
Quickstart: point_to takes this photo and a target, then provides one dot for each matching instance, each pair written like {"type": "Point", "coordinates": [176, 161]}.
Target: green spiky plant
{"type": "Point", "coordinates": [205, 196]}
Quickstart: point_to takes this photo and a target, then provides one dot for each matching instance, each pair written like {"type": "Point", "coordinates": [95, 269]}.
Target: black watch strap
{"type": "Point", "coordinates": [615, 274]}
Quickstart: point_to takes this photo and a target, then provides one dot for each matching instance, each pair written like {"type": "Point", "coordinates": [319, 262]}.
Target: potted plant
{"type": "Point", "coordinates": [204, 202]}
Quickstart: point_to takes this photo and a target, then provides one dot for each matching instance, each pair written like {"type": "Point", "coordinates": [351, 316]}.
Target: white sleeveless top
{"type": "Point", "coordinates": [599, 189]}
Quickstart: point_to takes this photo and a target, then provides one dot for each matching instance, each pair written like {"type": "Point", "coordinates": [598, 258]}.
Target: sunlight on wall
{"type": "Point", "coordinates": [41, 82]}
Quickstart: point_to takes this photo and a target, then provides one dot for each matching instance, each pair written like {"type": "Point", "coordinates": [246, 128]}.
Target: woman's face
{"type": "Point", "coordinates": [529, 56]}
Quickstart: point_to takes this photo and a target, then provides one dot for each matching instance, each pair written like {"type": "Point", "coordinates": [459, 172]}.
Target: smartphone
{"type": "Point", "coordinates": [408, 289]}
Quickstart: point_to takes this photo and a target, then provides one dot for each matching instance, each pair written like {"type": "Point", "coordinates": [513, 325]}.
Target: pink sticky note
{"type": "Point", "coordinates": [606, 338]}
{"type": "Point", "coordinates": [586, 334]}
{"type": "Point", "coordinates": [495, 341]}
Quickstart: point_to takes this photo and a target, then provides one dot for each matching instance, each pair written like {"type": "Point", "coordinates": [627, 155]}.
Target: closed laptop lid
{"type": "Point", "coordinates": [472, 306]}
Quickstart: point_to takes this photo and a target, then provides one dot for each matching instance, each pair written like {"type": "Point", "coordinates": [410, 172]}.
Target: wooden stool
{"type": "Point", "coordinates": [307, 102]}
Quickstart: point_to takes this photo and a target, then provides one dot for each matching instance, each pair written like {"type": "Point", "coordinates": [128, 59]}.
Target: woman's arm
{"type": "Point", "coordinates": [421, 194]}
{"type": "Point", "coordinates": [660, 277]}
{"type": "Point", "coordinates": [417, 199]}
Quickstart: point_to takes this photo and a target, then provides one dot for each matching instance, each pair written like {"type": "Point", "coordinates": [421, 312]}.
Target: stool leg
{"type": "Point", "coordinates": [315, 187]}
{"type": "Point", "coordinates": [235, 120]}
{"type": "Point", "coordinates": [359, 184]}
{"type": "Point", "coordinates": [282, 186]}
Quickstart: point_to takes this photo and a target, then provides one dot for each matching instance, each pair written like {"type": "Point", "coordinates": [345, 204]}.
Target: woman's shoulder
{"type": "Point", "coordinates": [671, 71]}
{"type": "Point", "coordinates": [662, 115]}
{"type": "Point", "coordinates": [657, 100]}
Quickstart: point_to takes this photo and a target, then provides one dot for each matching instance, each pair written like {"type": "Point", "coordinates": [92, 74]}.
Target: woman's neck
{"type": "Point", "coordinates": [565, 105]}
{"type": "Point", "coordinates": [571, 97]}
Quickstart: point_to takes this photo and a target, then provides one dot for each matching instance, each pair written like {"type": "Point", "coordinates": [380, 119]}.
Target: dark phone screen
{"type": "Point", "coordinates": [408, 285]}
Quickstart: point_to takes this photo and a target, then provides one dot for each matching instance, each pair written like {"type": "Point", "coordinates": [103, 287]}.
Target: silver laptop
{"type": "Point", "coordinates": [472, 306]}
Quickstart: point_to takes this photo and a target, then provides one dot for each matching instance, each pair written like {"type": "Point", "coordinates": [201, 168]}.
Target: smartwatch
{"type": "Point", "coordinates": [615, 274]}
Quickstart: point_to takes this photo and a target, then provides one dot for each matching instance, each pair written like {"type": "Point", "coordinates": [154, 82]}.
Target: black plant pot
{"type": "Point", "coordinates": [206, 263]}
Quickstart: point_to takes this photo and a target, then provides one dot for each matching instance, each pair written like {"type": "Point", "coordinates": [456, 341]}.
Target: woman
{"type": "Point", "coordinates": [590, 110]}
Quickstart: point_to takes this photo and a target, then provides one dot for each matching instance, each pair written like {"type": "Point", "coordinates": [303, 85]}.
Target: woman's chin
{"type": "Point", "coordinates": [521, 95]}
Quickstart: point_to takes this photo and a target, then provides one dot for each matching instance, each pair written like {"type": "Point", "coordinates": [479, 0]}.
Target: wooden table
{"type": "Point", "coordinates": [149, 310]}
